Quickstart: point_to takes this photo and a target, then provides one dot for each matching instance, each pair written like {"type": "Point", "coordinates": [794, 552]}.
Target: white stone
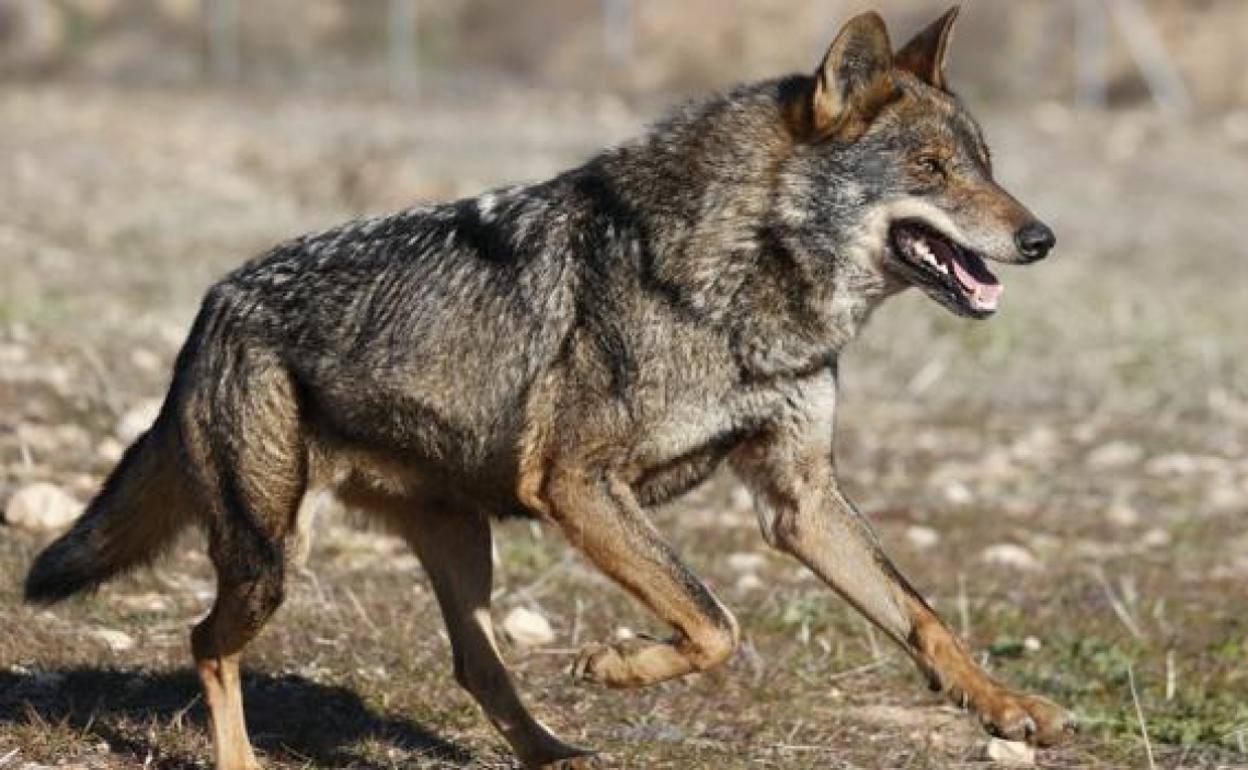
{"type": "Point", "coordinates": [747, 561]}
{"type": "Point", "coordinates": [146, 360]}
{"type": "Point", "coordinates": [1031, 644]}
{"type": "Point", "coordinates": [1012, 556]}
{"type": "Point", "coordinates": [1121, 514]}
{"type": "Point", "coordinates": [922, 538]}
{"type": "Point", "coordinates": [42, 507]}
{"type": "Point", "coordinates": [957, 493]}
{"type": "Point", "coordinates": [137, 419]}
{"type": "Point", "coordinates": [117, 641]}
{"type": "Point", "coordinates": [749, 582]}
{"type": "Point", "coordinates": [110, 449]}
{"type": "Point", "coordinates": [1010, 753]}
{"type": "Point", "coordinates": [1155, 538]}
{"type": "Point", "coordinates": [527, 628]}
{"type": "Point", "coordinates": [1115, 454]}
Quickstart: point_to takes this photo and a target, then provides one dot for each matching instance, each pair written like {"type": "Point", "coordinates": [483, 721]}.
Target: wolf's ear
{"type": "Point", "coordinates": [854, 81]}
{"type": "Point", "coordinates": [924, 56]}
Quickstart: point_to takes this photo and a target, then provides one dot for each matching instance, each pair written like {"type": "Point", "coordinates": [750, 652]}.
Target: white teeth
{"type": "Point", "coordinates": [924, 251]}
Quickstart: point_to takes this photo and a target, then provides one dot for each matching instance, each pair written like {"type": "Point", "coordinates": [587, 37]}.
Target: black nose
{"type": "Point", "coordinates": [1035, 241]}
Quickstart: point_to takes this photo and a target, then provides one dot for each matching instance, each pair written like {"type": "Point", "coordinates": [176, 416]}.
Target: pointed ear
{"type": "Point", "coordinates": [854, 81]}
{"type": "Point", "coordinates": [924, 56]}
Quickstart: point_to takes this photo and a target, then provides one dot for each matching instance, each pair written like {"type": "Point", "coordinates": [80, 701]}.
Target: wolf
{"type": "Point", "coordinates": [580, 351]}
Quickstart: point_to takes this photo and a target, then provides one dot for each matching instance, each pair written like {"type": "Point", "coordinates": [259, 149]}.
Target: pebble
{"type": "Point", "coordinates": [1012, 556]}
{"type": "Point", "coordinates": [110, 449]}
{"type": "Point", "coordinates": [42, 507]}
{"type": "Point", "coordinates": [527, 628]}
{"type": "Point", "coordinates": [922, 538]}
{"type": "Point", "coordinates": [1121, 514]}
{"type": "Point", "coordinates": [117, 641]}
{"type": "Point", "coordinates": [137, 419]}
{"type": "Point", "coordinates": [1010, 753]}
{"type": "Point", "coordinates": [1115, 454]}
{"type": "Point", "coordinates": [747, 561]}
{"type": "Point", "coordinates": [957, 493]}
{"type": "Point", "coordinates": [749, 582]}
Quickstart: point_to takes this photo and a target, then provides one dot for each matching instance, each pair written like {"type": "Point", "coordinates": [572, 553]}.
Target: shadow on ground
{"type": "Point", "coordinates": [287, 715]}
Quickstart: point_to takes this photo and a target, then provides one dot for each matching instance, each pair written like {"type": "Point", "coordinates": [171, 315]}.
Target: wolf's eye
{"type": "Point", "coordinates": [932, 165]}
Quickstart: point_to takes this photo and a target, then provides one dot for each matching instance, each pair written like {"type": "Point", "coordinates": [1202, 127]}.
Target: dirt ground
{"type": "Point", "coordinates": [1068, 482]}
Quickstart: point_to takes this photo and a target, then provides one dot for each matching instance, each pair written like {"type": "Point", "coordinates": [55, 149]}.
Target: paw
{"type": "Point", "coordinates": [1019, 717]}
{"type": "Point", "coordinates": [586, 761]}
{"type": "Point", "coordinates": [609, 664]}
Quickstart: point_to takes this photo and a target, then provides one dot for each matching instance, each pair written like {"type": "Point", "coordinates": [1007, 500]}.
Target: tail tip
{"type": "Point", "coordinates": [52, 580]}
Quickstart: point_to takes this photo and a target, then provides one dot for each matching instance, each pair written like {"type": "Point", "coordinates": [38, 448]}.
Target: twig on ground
{"type": "Point", "coordinates": [1139, 715]}
{"type": "Point", "coordinates": [359, 608]}
{"type": "Point", "coordinates": [1116, 604]}
{"type": "Point", "coordinates": [857, 670]}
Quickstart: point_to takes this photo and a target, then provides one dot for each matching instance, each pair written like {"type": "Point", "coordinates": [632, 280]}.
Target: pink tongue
{"type": "Point", "coordinates": [983, 296]}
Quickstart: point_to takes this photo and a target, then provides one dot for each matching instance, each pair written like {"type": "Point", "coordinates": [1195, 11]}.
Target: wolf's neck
{"type": "Point", "coordinates": [704, 184]}
{"type": "Point", "coordinates": [701, 185]}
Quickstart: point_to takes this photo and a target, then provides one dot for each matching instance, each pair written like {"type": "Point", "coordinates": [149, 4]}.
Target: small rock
{"type": "Point", "coordinates": [527, 628]}
{"type": "Point", "coordinates": [921, 538]}
{"type": "Point", "coordinates": [749, 582]}
{"type": "Point", "coordinates": [137, 420]}
{"type": "Point", "coordinates": [110, 449]}
{"type": "Point", "coordinates": [747, 562]}
{"type": "Point", "coordinates": [117, 641]}
{"type": "Point", "coordinates": [624, 633]}
{"type": "Point", "coordinates": [1121, 514]}
{"type": "Point", "coordinates": [149, 602]}
{"type": "Point", "coordinates": [1031, 644]}
{"type": "Point", "coordinates": [42, 507]}
{"type": "Point", "coordinates": [1115, 454]}
{"type": "Point", "coordinates": [1012, 556]}
{"type": "Point", "coordinates": [1179, 464]}
{"type": "Point", "coordinates": [146, 360]}
{"type": "Point", "coordinates": [956, 493]}
{"type": "Point", "coordinates": [1010, 753]}
{"type": "Point", "coordinates": [1155, 538]}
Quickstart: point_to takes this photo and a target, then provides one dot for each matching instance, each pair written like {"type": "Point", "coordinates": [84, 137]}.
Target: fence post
{"type": "Point", "coordinates": [618, 31]}
{"type": "Point", "coordinates": [224, 61]}
{"type": "Point", "coordinates": [1150, 55]}
{"type": "Point", "coordinates": [1091, 53]}
{"type": "Point", "coordinates": [401, 34]}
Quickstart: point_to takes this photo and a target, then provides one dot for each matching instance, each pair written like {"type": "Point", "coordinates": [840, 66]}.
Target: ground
{"type": "Point", "coordinates": [1066, 482]}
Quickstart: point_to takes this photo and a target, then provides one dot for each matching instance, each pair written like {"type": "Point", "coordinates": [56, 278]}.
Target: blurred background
{"type": "Point", "coordinates": [1068, 482]}
{"type": "Point", "coordinates": [1104, 51]}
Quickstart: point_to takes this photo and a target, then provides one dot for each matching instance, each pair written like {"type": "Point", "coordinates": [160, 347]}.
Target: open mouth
{"type": "Point", "coordinates": [941, 266]}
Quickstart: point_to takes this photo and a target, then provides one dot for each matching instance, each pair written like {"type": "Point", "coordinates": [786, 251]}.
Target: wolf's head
{"type": "Point", "coordinates": [892, 173]}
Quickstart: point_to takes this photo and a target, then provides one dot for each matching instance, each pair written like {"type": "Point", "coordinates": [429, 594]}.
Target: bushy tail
{"type": "Point", "coordinates": [140, 509]}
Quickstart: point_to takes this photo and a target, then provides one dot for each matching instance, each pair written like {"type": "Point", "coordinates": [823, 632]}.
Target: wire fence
{"type": "Point", "coordinates": [1082, 50]}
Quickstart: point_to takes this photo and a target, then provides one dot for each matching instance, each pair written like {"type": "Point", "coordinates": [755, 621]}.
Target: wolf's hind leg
{"type": "Point", "coordinates": [217, 643]}
{"type": "Point", "coordinates": [599, 515]}
{"type": "Point", "coordinates": [249, 460]}
{"type": "Point", "coordinates": [454, 548]}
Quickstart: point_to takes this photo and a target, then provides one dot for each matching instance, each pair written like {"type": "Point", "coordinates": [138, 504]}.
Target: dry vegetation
{"type": "Point", "coordinates": [1068, 481]}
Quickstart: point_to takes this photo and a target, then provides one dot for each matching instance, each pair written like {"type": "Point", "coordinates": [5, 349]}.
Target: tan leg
{"type": "Point", "coordinates": [217, 643]}
{"type": "Point", "coordinates": [802, 512]}
{"type": "Point", "coordinates": [600, 516]}
{"type": "Point", "coordinates": [454, 548]}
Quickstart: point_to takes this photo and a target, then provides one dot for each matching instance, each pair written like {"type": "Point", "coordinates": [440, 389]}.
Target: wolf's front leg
{"type": "Point", "coordinates": [802, 512]}
{"type": "Point", "coordinates": [599, 515]}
